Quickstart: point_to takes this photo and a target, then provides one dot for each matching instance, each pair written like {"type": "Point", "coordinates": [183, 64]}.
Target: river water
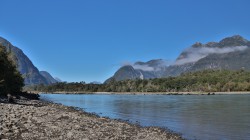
{"type": "Point", "coordinates": [218, 117]}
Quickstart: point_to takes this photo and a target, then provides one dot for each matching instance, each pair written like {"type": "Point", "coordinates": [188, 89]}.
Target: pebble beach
{"type": "Point", "coordinates": [35, 119]}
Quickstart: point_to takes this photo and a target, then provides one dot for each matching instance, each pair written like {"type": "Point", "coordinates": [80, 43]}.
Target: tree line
{"type": "Point", "coordinates": [200, 81]}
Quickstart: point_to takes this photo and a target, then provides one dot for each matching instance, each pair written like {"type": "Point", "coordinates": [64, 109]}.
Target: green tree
{"type": "Point", "coordinates": [11, 80]}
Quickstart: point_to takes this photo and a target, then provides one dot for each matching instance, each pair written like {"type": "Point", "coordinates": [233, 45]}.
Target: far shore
{"type": "Point", "coordinates": [148, 93]}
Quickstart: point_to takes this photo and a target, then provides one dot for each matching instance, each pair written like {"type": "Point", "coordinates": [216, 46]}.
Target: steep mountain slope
{"type": "Point", "coordinates": [231, 53]}
{"type": "Point", "coordinates": [58, 79]}
{"type": "Point", "coordinates": [48, 77]}
{"type": "Point", "coordinates": [30, 73]}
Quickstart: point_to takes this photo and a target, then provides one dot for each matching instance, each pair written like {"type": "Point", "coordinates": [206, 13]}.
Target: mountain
{"type": "Point", "coordinates": [30, 73]}
{"type": "Point", "coordinates": [231, 53]}
{"type": "Point", "coordinates": [48, 77]}
{"type": "Point", "coordinates": [140, 70]}
{"type": "Point", "coordinates": [126, 72]}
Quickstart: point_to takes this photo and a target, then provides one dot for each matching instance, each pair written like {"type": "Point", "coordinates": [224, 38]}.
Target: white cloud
{"type": "Point", "coordinates": [144, 67]}
{"type": "Point", "coordinates": [195, 54]}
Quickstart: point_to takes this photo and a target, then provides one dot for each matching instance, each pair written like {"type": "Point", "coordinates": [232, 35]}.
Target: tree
{"type": "Point", "coordinates": [11, 80]}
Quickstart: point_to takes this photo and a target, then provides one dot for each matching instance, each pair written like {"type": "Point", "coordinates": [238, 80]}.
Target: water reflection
{"type": "Point", "coordinates": [196, 117]}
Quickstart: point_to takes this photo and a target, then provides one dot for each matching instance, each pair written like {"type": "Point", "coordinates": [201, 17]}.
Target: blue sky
{"type": "Point", "coordinates": [88, 40]}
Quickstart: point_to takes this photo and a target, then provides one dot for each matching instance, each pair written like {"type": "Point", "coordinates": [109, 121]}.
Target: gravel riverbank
{"type": "Point", "coordinates": [33, 119]}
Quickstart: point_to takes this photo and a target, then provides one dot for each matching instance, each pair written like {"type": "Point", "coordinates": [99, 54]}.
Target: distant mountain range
{"type": "Point", "coordinates": [140, 70]}
{"type": "Point", "coordinates": [30, 73]}
{"type": "Point", "coordinates": [231, 53]}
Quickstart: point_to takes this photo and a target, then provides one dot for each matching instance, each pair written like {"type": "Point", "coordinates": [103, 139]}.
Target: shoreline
{"type": "Point", "coordinates": [38, 119]}
{"type": "Point", "coordinates": [149, 93]}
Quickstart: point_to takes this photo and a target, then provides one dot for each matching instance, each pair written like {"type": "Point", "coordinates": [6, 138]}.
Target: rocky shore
{"type": "Point", "coordinates": [34, 119]}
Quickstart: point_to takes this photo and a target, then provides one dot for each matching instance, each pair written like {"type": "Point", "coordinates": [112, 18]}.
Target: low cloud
{"type": "Point", "coordinates": [158, 66]}
{"type": "Point", "coordinates": [144, 67]}
{"type": "Point", "coordinates": [195, 54]}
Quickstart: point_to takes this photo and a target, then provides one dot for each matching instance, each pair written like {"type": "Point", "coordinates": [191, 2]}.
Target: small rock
{"type": "Point", "coordinates": [69, 134]}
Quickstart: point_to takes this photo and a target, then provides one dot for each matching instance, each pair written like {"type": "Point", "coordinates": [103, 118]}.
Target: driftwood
{"type": "Point", "coordinates": [1, 83]}
{"type": "Point", "coordinates": [10, 98]}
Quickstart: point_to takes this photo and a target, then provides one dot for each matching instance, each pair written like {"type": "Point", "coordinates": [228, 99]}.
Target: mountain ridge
{"type": "Point", "coordinates": [229, 53]}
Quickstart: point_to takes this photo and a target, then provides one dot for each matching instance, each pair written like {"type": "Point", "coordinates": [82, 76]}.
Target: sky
{"type": "Point", "coordinates": [88, 40]}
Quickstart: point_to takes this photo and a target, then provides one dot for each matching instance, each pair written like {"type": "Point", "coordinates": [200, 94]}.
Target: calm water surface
{"type": "Point", "coordinates": [219, 117]}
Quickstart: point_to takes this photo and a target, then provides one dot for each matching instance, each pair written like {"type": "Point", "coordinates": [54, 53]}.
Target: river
{"type": "Point", "coordinates": [217, 117]}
